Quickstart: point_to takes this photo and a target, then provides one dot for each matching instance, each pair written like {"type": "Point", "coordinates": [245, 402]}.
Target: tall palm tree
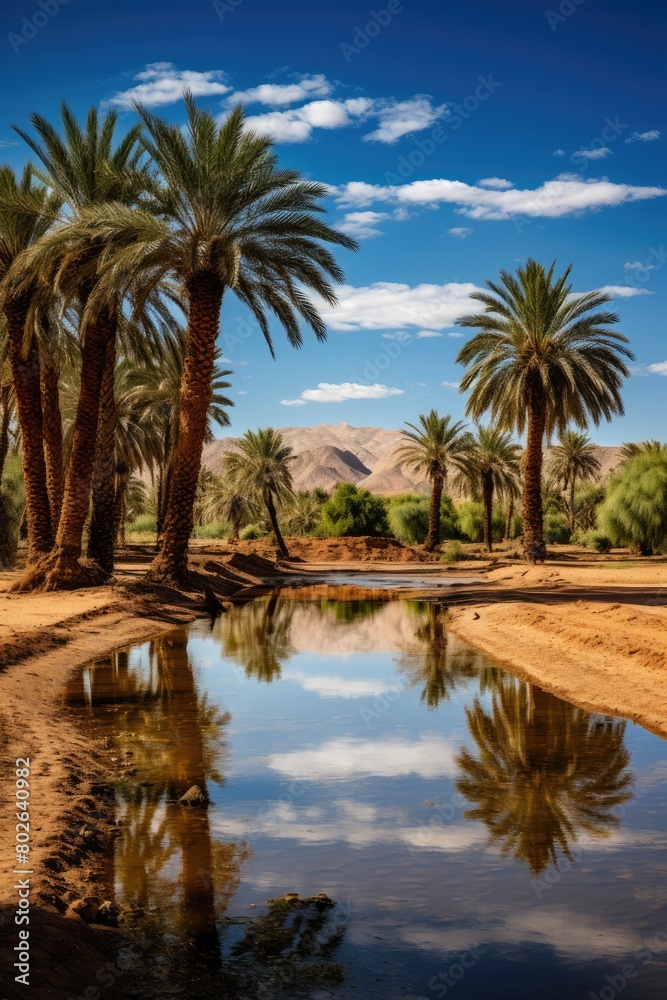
{"type": "Point", "coordinates": [225, 218]}
{"type": "Point", "coordinates": [261, 469]}
{"type": "Point", "coordinates": [431, 448]}
{"type": "Point", "coordinates": [540, 360]}
{"type": "Point", "coordinates": [85, 169]}
{"type": "Point", "coordinates": [492, 466]}
{"type": "Point", "coordinates": [27, 211]}
{"type": "Point", "coordinates": [573, 459]}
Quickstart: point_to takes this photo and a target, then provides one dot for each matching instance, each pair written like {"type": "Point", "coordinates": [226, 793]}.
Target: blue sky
{"type": "Point", "coordinates": [458, 139]}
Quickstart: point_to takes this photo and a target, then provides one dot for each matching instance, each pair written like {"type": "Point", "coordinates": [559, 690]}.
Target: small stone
{"type": "Point", "coordinates": [86, 908]}
{"type": "Point", "coordinates": [108, 913]}
{"type": "Point", "coordinates": [194, 797]}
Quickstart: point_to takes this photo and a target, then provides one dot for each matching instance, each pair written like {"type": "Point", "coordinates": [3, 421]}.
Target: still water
{"type": "Point", "coordinates": [391, 815]}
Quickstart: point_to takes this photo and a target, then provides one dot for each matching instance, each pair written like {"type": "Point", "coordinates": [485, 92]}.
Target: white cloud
{"type": "Point", "coordinates": [362, 225]}
{"type": "Point", "coordinates": [398, 118]}
{"type": "Point", "coordinates": [644, 136]}
{"type": "Point", "coordinates": [558, 152]}
{"type": "Point", "coordinates": [623, 291]}
{"type": "Point", "coordinates": [637, 265]}
{"type": "Point", "coordinates": [454, 333]}
{"type": "Point", "coordinates": [499, 183]}
{"type": "Point", "coordinates": [593, 154]}
{"type": "Point", "coordinates": [460, 231]}
{"type": "Point", "coordinates": [400, 335]}
{"type": "Point", "coordinates": [161, 84]}
{"type": "Point", "coordinates": [386, 305]}
{"type": "Point", "coordinates": [567, 194]}
{"type": "Point", "coordinates": [658, 369]}
{"type": "Point", "coordinates": [279, 94]}
{"type": "Point", "coordinates": [330, 392]}
{"type": "Point", "coordinates": [451, 385]}
{"type": "Point", "coordinates": [241, 392]}
{"type": "Point", "coordinates": [427, 334]}
{"type": "Point", "coordinates": [430, 756]}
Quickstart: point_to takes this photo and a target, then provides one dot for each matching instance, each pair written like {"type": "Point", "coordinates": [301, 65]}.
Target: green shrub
{"type": "Point", "coordinates": [251, 531]}
{"type": "Point", "coordinates": [142, 525]}
{"type": "Point", "coordinates": [214, 529]}
{"type": "Point", "coordinates": [471, 521]}
{"type": "Point", "coordinates": [408, 518]}
{"type": "Point", "coordinates": [12, 502]}
{"type": "Point", "coordinates": [556, 528]}
{"type": "Point", "coordinates": [634, 512]}
{"type": "Point", "coordinates": [595, 540]}
{"type": "Point", "coordinates": [352, 512]}
{"type": "Point", "coordinates": [453, 553]}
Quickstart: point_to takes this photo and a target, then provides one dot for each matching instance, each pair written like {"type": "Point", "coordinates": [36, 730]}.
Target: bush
{"type": "Point", "coordinates": [141, 525]}
{"type": "Point", "coordinates": [409, 516]}
{"type": "Point", "coordinates": [251, 531]}
{"type": "Point", "coordinates": [471, 521]}
{"type": "Point", "coordinates": [594, 540]}
{"type": "Point", "coordinates": [453, 553]}
{"type": "Point", "coordinates": [556, 528]}
{"type": "Point", "coordinates": [634, 512]}
{"type": "Point", "coordinates": [352, 512]}
{"type": "Point", "coordinates": [12, 502]}
{"type": "Point", "coordinates": [214, 529]}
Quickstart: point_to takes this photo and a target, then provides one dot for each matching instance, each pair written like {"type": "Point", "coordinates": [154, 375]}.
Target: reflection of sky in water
{"type": "Point", "coordinates": [341, 779]}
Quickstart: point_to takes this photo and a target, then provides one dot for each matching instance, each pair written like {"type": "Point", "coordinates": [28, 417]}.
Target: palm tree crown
{"type": "Point", "coordinates": [261, 468]}
{"type": "Point", "coordinates": [543, 357]}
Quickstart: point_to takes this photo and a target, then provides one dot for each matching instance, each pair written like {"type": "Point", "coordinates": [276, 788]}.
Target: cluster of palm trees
{"type": "Point", "coordinates": [118, 243]}
{"type": "Point", "coordinates": [543, 358]}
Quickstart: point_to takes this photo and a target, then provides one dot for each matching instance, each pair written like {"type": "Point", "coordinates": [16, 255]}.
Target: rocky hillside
{"type": "Point", "coordinates": [328, 454]}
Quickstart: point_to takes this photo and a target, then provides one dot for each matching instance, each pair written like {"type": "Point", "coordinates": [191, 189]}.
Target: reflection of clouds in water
{"type": "Point", "coordinates": [391, 628]}
{"type": "Point", "coordinates": [332, 686]}
{"type": "Point", "coordinates": [430, 756]}
{"type": "Point", "coordinates": [353, 823]}
{"type": "Point", "coordinates": [558, 928]}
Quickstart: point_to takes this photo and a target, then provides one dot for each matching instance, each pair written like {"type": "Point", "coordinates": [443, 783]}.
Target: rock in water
{"type": "Point", "coordinates": [86, 908]}
{"type": "Point", "coordinates": [194, 797]}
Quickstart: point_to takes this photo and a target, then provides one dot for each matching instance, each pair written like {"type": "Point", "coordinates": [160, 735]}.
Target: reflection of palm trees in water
{"type": "Point", "coordinates": [437, 665]}
{"type": "Point", "coordinates": [174, 740]}
{"type": "Point", "coordinates": [543, 774]}
{"type": "Point", "coordinates": [258, 636]}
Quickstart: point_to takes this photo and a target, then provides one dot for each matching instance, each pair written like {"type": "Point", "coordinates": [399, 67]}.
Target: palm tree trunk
{"type": "Point", "coordinates": [63, 570]}
{"type": "Point", "coordinates": [53, 439]}
{"type": "Point", "coordinates": [487, 497]}
{"type": "Point", "coordinates": [533, 519]}
{"type": "Point", "coordinates": [119, 506]}
{"type": "Point", "coordinates": [270, 506]}
{"type": "Point", "coordinates": [433, 537]}
{"type": "Point", "coordinates": [102, 533]}
{"type": "Point", "coordinates": [573, 480]}
{"type": "Point", "coordinates": [8, 539]}
{"type": "Point", "coordinates": [510, 519]}
{"type": "Point", "coordinates": [5, 420]}
{"type": "Point", "coordinates": [205, 293]}
{"type": "Point", "coordinates": [25, 370]}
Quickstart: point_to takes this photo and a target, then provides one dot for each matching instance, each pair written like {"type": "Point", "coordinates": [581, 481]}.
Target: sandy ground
{"type": "Point", "coordinates": [592, 630]}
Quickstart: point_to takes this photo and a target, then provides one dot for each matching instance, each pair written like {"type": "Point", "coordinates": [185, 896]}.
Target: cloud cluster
{"type": "Point", "coordinates": [281, 94]}
{"type": "Point", "coordinates": [644, 136]}
{"type": "Point", "coordinates": [567, 194]}
{"type": "Point", "coordinates": [330, 392]}
{"type": "Point", "coordinates": [387, 305]}
{"type": "Point", "coordinates": [161, 84]}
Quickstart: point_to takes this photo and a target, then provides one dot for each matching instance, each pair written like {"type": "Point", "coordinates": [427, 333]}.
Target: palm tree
{"type": "Point", "coordinates": [572, 459]}
{"type": "Point", "coordinates": [632, 448]}
{"type": "Point", "coordinates": [261, 469]}
{"type": "Point", "coordinates": [222, 501]}
{"type": "Point", "coordinates": [27, 211]}
{"type": "Point", "coordinates": [540, 360]}
{"type": "Point", "coordinates": [431, 449]}
{"type": "Point", "coordinates": [492, 466]}
{"type": "Point", "coordinates": [543, 773]}
{"type": "Point", "coordinates": [225, 218]}
{"type": "Point", "coordinates": [85, 170]}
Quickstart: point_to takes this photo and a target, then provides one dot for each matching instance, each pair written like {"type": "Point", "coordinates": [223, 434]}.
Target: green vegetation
{"type": "Point", "coordinates": [353, 512]}
{"type": "Point", "coordinates": [635, 510]}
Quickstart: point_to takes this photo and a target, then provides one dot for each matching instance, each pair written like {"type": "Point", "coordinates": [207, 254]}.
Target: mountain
{"type": "Point", "coordinates": [328, 454]}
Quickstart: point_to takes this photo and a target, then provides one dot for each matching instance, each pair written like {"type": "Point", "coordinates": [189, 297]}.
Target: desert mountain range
{"type": "Point", "coordinates": [329, 454]}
